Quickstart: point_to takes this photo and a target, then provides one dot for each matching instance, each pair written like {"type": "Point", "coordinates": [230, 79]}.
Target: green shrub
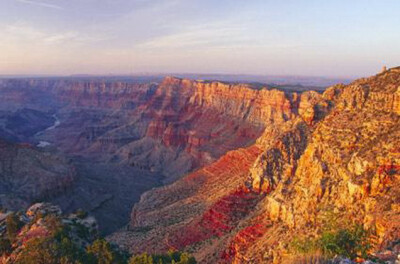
{"type": "Point", "coordinates": [102, 252]}
{"type": "Point", "coordinates": [56, 249]}
{"type": "Point", "coordinates": [142, 259]}
{"type": "Point", "coordinates": [37, 251]}
{"type": "Point", "coordinates": [304, 246]}
{"type": "Point", "coordinates": [350, 243]}
{"type": "Point", "coordinates": [173, 257]}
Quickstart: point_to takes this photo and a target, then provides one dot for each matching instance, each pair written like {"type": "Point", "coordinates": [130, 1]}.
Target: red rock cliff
{"type": "Point", "coordinates": [337, 152]}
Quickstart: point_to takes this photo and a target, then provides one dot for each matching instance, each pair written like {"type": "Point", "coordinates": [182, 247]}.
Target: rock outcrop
{"type": "Point", "coordinates": [44, 235]}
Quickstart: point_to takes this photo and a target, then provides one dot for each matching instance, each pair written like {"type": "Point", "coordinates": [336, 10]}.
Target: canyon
{"type": "Point", "coordinates": [230, 172]}
{"type": "Point", "coordinates": [123, 138]}
{"type": "Point", "coordinates": [321, 159]}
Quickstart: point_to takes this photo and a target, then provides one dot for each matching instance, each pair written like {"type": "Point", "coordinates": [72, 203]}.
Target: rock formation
{"type": "Point", "coordinates": [335, 153]}
{"type": "Point", "coordinates": [146, 132]}
{"type": "Point", "coordinates": [171, 128]}
{"type": "Point", "coordinates": [260, 166]}
{"type": "Point", "coordinates": [42, 234]}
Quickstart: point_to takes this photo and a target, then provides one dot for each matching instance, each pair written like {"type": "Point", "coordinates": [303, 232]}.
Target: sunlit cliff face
{"type": "Point", "coordinates": [338, 157]}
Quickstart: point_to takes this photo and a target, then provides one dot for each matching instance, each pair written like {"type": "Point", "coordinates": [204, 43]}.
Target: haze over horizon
{"type": "Point", "coordinates": [311, 38]}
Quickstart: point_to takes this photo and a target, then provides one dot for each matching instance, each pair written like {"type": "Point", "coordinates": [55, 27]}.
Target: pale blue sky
{"type": "Point", "coordinates": [291, 37]}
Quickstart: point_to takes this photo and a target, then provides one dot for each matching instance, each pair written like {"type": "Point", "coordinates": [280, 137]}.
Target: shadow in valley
{"type": "Point", "coordinates": [106, 190]}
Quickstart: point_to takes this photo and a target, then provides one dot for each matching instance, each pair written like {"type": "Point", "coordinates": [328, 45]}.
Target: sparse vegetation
{"type": "Point", "coordinates": [173, 257]}
{"type": "Point", "coordinates": [47, 250]}
{"type": "Point", "coordinates": [55, 247]}
{"type": "Point", "coordinates": [304, 246]}
{"type": "Point", "coordinates": [102, 252]}
{"type": "Point", "coordinates": [56, 241]}
{"type": "Point", "coordinates": [350, 242]}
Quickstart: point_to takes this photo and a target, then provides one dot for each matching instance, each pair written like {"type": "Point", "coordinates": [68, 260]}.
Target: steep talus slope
{"type": "Point", "coordinates": [27, 175]}
{"type": "Point", "coordinates": [337, 153]}
{"type": "Point", "coordinates": [166, 210]}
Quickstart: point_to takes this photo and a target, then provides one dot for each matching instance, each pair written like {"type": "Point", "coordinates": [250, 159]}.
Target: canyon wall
{"type": "Point", "coordinates": [129, 136]}
{"type": "Point", "coordinates": [172, 128]}
{"type": "Point", "coordinates": [331, 154]}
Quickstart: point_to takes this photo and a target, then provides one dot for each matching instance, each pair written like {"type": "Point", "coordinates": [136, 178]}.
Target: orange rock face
{"type": "Point", "coordinates": [336, 152]}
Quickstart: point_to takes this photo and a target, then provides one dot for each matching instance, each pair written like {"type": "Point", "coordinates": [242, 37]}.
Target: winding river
{"type": "Point", "coordinates": [43, 144]}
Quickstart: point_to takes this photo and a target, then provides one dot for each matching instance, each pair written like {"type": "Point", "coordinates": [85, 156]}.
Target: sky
{"type": "Point", "coordinates": [335, 38]}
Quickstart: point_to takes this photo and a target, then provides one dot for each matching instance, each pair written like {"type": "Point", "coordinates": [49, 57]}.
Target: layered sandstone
{"type": "Point", "coordinates": [202, 211]}
{"type": "Point", "coordinates": [336, 153]}
{"type": "Point", "coordinates": [349, 167]}
{"type": "Point", "coordinates": [171, 128]}
{"type": "Point", "coordinates": [151, 131]}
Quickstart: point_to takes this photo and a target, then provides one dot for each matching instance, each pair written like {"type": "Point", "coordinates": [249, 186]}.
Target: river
{"type": "Point", "coordinates": [43, 144]}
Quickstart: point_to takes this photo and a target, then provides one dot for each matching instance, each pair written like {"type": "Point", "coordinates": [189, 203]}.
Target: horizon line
{"type": "Point", "coordinates": [138, 74]}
